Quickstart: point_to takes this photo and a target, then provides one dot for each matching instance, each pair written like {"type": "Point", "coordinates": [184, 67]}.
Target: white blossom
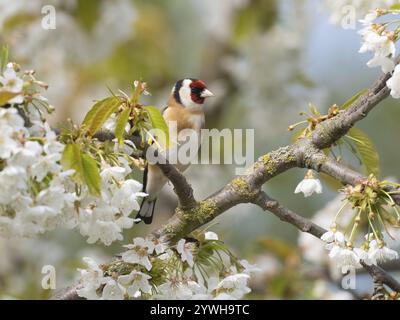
{"type": "Point", "coordinates": [185, 252]}
{"type": "Point", "coordinates": [135, 281]}
{"type": "Point", "coordinates": [173, 289]}
{"type": "Point", "coordinates": [139, 252]}
{"type": "Point", "coordinates": [369, 17]}
{"type": "Point", "coordinates": [126, 197]}
{"type": "Point", "coordinates": [112, 290]}
{"type": "Point", "coordinates": [381, 45]}
{"type": "Point", "coordinates": [344, 256]}
{"type": "Point", "coordinates": [333, 236]}
{"type": "Point", "coordinates": [8, 145]}
{"type": "Point", "coordinates": [363, 255]}
{"type": "Point", "coordinates": [386, 63]}
{"type": "Point", "coordinates": [160, 245]}
{"type": "Point", "coordinates": [209, 235]}
{"type": "Point", "coordinates": [308, 186]}
{"type": "Point", "coordinates": [91, 279]}
{"type": "Point", "coordinates": [394, 83]}
{"type": "Point", "coordinates": [380, 253]}
{"type": "Point", "coordinates": [234, 285]}
{"type": "Point", "coordinates": [11, 82]}
{"type": "Point", "coordinates": [9, 117]}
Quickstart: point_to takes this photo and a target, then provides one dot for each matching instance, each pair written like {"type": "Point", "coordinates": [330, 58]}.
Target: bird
{"type": "Point", "coordinates": [184, 109]}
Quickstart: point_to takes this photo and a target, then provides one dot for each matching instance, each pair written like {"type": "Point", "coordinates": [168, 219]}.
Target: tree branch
{"type": "Point", "coordinates": [382, 276]}
{"type": "Point", "coordinates": [301, 223]}
{"type": "Point", "coordinates": [305, 225]}
{"type": "Point", "coordinates": [182, 188]}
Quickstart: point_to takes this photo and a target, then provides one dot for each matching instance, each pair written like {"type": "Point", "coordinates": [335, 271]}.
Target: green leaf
{"type": "Point", "coordinates": [91, 174]}
{"type": "Point", "coordinates": [352, 99]}
{"type": "Point", "coordinates": [92, 112]}
{"type": "Point", "coordinates": [395, 6]}
{"type": "Point", "coordinates": [122, 120]}
{"type": "Point", "coordinates": [99, 113]}
{"type": "Point", "coordinates": [86, 170]}
{"type": "Point", "coordinates": [3, 58]}
{"type": "Point", "coordinates": [6, 96]}
{"type": "Point", "coordinates": [158, 122]}
{"type": "Point", "coordinates": [71, 159]}
{"type": "Point", "coordinates": [366, 149]}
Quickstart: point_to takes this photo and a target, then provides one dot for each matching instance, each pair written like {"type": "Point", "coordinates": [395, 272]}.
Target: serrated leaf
{"type": "Point", "coordinates": [6, 96]}
{"type": "Point", "coordinates": [86, 170]}
{"type": "Point", "coordinates": [158, 122]}
{"type": "Point", "coordinates": [122, 120]}
{"type": "Point", "coordinates": [99, 113]}
{"type": "Point", "coordinates": [366, 150]}
{"type": "Point", "coordinates": [91, 174]}
{"type": "Point", "coordinates": [3, 58]}
{"type": "Point", "coordinates": [71, 159]}
{"type": "Point", "coordinates": [350, 101]}
{"type": "Point", "coordinates": [94, 109]}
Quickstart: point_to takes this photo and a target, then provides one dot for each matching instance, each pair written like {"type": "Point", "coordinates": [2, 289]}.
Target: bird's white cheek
{"type": "Point", "coordinates": [186, 99]}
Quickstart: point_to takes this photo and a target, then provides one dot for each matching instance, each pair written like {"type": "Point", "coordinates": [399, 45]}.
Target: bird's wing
{"type": "Point", "coordinates": [145, 176]}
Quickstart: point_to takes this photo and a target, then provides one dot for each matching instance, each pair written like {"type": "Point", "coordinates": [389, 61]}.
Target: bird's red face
{"type": "Point", "coordinates": [191, 92]}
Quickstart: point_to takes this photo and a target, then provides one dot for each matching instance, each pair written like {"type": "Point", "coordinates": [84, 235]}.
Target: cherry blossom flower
{"type": "Point", "coordinates": [309, 185]}
{"type": "Point", "coordinates": [344, 256]}
{"type": "Point", "coordinates": [135, 281]}
{"type": "Point", "coordinates": [378, 252]}
{"type": "Point", "coordinates": [139, 252]}
{"type": "Point", "coordinates": [11, 82]}
{"type": "Point", "coordinates": [394, 83]}
{"type": "Point", "coordinates": [112, 290]}
{"type": "Point", "coordinates": [91, 279]}
{"type": "Point", "coordinates": [184, 250]}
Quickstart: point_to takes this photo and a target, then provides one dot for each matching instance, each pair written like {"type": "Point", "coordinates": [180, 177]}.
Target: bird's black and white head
{"type": "Point", "coordinates": [191, 93]}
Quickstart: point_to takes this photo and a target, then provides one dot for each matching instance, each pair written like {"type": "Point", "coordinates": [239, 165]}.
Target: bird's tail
{"type": "Point", "coordinates": [147, 210]}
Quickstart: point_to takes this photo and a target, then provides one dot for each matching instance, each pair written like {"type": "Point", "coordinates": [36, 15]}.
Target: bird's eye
{"type": "Point", "coordinates": [196, 90]}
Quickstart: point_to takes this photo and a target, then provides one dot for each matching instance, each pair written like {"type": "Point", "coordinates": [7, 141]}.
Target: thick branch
{"type": "Point", "coordinates": [182, 188]}
{"type": "Point", "coordinates": [381, 275]}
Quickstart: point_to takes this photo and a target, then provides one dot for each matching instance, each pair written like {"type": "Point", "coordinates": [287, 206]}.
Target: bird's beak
{"type": "Point", "coordinates": [206, 93]}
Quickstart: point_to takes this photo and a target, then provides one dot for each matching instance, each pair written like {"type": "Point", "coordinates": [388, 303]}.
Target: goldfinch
{"type": "Point", "coordinates": [184, 109]}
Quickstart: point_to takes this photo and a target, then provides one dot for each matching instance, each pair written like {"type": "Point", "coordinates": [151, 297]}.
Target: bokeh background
{"type": "Point", "coordinates": [264, 59]}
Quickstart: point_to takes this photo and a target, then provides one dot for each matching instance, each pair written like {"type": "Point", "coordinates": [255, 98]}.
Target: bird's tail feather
{"type": "Point", "coordinates": [147, 210]}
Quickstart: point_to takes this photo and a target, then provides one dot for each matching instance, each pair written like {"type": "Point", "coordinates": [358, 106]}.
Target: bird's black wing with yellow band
{"type": "Point", "coordinates": [146, 210]}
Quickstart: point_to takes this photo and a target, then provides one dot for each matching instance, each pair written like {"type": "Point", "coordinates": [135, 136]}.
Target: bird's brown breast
{"type": "Point", "coordinates": [184, 117]}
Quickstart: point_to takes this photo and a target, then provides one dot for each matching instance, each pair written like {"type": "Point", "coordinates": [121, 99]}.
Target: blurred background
{"type": "Point", "coordinates": [264, 59]}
